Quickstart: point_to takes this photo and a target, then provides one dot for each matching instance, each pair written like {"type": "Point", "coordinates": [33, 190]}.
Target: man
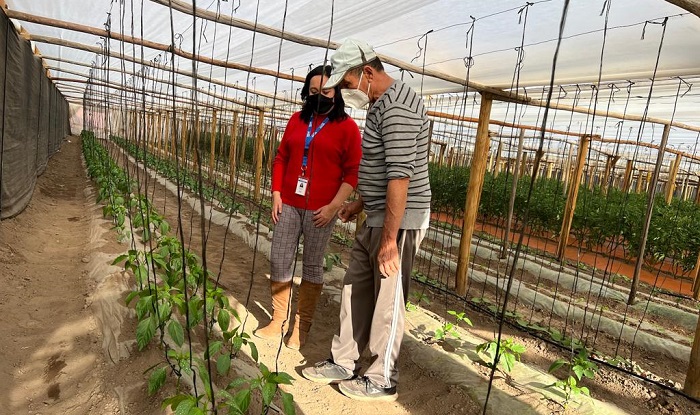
{"type": "Point", "coordinates": [395, 194]}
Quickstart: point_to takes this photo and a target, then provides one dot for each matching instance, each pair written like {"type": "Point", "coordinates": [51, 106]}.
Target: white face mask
{"type": "Point", "coordinates": [355, 98]}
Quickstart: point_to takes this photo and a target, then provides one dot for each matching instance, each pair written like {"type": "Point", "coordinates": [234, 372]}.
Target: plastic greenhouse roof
{"type": "Point", "coordinates": [491, 30]}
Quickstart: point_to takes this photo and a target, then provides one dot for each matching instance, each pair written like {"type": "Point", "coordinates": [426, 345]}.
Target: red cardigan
{"type": "Point", "coordinates": [334, 158]}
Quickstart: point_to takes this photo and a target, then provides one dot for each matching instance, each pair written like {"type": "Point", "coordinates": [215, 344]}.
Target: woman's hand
{"type": "Point", "coordinates": [276, 206]}
{"type": "Point", "coordinates": [350, 210]}
{"type": "Point", "coordinates": [324, 215]}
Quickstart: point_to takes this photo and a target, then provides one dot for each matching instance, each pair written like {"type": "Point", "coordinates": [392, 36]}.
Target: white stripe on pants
{"type": "Point", "coordinates": [372, 307]}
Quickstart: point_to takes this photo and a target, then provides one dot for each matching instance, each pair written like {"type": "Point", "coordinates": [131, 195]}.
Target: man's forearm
{"type": "Point", "coordinates": [396, 196]}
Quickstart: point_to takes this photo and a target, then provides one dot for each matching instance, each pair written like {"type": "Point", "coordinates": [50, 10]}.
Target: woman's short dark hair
{"type": "Point", "coordinates": [338, 112]}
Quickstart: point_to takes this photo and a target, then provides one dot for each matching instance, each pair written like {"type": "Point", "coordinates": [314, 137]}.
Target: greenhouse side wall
{"type": "Point", "coordinates": [34, 118]}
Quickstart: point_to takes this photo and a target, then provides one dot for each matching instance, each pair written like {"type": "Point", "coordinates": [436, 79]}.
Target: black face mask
{"type": "Point", "coordinates": [319, 103]}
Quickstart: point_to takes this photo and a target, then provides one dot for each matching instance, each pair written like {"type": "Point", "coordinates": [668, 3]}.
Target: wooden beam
{"type": "Point", "coordinates": [647, 221]}
{"type": "Point", "coordinates": [46, 21]}
{"type": "Point", "coordinates": [476, 182]}
{"type": "Point", "coordinates": [178, 71]}
{"type": "Point", "coordinates": [572, 195]}
{"type": "Point", "coordinates": [692, 6]}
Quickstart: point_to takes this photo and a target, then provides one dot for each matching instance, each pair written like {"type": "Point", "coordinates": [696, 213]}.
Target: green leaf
{"type": "Point", "coordinates": [143, 306]}
{"type": "Point", "coordinates": [288, 403]}
{"type": "Point", "coordinates": [556, 365]}
{"type": "Point", "coordinates": [223, 363]}
{"type": "Point", "coordinates": [131, 296]}
{"type": "Point", "coordinates": [224, 319]}
{"type": "Point", "coordinates": [236, 383]}
{"type": "Point", "coordinates": [242, 400]}
{"type": "Point", "coordinates": [508, 361]}
{"type": "Point", "coordinates": [584, 390]}
{"type": "Point", "coordinates": [120, 258]}
{"type": "Point", "coordinates": [578, 370]}
{"type": "Point", "coordinates": [282, 378]}
{"type": "Point", "coordinates": [157, 380]}
{"type": "Point", "coordinates": [145, 331]}
{"type": "Point", "coordinates": [268, 392]}
{"type": "Point", "coordinates": [176, 332]}
{"type": "Point", "coordinates": [253, 351]}
{"type": "Point", "coordinates": [174, 401]}
{"type": "Point", "coordinates": [164, 310]}
{"type": "Point", "coordinates": [184, 407]}
{"type": "Point", "coordinates": [214, 348]}
{"type": "Point", "coordinates": [518, 348]}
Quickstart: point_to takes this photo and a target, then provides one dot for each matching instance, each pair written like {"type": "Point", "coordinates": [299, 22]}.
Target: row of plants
{"type": "Point", "coordinates": [169, 297]}
{"type": "Point", "coordinates": [604, 220]}
{"type": "Point", "coordinates": [503, 354]}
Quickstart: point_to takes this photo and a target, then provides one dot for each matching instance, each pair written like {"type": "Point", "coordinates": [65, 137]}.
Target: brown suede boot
{"type": "Point", "coordinates": [309, 293]}
{"type": "Point", "coordinates": [280, 303]}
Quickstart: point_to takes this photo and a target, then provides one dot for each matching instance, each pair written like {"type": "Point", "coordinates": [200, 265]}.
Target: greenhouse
{"type": "Point", "coordinates": [151, 263]}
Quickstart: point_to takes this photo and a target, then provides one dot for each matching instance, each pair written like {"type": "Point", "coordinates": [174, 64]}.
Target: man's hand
{"type": "Point", "coordinates": [388, 258]}
{"type": "Point", "coordinates": [324, 215]}
{"type": "Point", "coordinates": [276, 206]}
{"type": "Point", "coordinates": [350, 210]}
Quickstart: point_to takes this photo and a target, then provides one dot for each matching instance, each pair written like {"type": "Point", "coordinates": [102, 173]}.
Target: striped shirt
{"type": "Point", "coordinates": [395, 146]}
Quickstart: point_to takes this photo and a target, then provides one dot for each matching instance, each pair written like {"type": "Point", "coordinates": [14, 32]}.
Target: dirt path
{"type": "Point", "coordinates": [52, 357]}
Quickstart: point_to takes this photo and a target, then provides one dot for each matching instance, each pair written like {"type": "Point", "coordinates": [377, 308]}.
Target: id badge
{"type": "Point", "coordinates": [302, 184]}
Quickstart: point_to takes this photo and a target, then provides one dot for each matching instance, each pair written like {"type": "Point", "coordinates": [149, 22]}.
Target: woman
{"type": "Point", "coordinates": [313, 173]}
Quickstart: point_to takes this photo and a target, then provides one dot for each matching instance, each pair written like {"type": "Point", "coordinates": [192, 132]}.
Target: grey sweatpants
{"type": "Point", "coordinates": [292, 223]}
{"type": "Point", "coordinates": [372, 307]}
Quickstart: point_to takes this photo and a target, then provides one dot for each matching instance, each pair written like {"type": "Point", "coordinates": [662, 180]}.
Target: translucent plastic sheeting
{"type": "Point", "coordinates": [396, 29]}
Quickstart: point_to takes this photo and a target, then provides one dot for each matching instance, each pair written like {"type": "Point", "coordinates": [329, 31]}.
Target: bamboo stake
{"type": "Point", "coordinates": [572, 195]}
{"type": "Point", "coordinates": [476, 182]}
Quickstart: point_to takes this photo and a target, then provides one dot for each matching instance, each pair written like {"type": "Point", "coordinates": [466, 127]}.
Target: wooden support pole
{"type": "Point", "coordinates": [692, 378]}
{"type": "Point", "coordinates": [212, 145]}
{"type": "Point", "coordinates": [232, 151]}
{"type": "Point", "coordinates": [566, 173]}
{"type": "Point", "coordinates": [672, 174]}
{"type": "Point", "coordinates": [628, 176]}
{"type": "Point", "coordinates": [244, 140]}
{"type": "Point", "coordinates": [647, 220]}
{"type": "Point", "coordinates": [497, 167]}
{"type": "Point", "coordinates": [572, 195]}
{"type": "Point", "coordinates": [513, 190]}
{"type": "Point", "coordinates": [523, 164]}
{"type": "Point", "coordinates": [476, 182]}
{"type": "Point", "coordinates": [271, 148]}
{"type": "Point", "coordinates": [185, 134]}
{"type": "Point", "coordinates": [259, 149]}
{"type": "Point", "coordinates": [441, 157]}
{"type": "Point", "coordinates": [610, 164]}
{"type": "Point", "coordinates": [550, 166]}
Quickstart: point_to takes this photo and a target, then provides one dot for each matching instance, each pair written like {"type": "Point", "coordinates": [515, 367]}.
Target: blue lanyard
{"type": "Point", "coordinates": [310, 137]}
